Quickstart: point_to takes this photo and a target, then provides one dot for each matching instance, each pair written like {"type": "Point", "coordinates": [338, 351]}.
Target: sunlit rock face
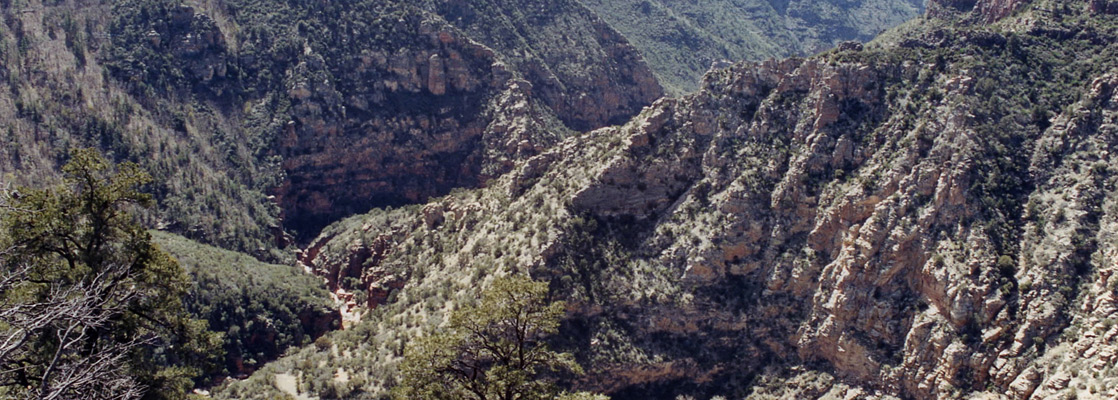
{"type": "Point", "coordinates": [908, 219]}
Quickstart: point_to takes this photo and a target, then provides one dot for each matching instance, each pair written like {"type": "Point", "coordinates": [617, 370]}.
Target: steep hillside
{"type": "Point", "coordinates": [681, 39]}
{"type": "Point", "coordinates": [56, 95]}
{"type": "Point", "coordinates": [928, 216]}
{"type": "Point", "coordinates": [260, 309]}
{"type": "Point", "coordinates": [332, 109]}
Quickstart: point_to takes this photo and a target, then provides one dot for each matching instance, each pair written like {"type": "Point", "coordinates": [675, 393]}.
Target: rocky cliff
{"type": "Point", "coordinates": [389, 103]}
{"type": "Point", "coordinates": [322, 109]}
{"type": "Point", "coordinates": [578, 65]}
{"type": "Point", "coordinates": [928, 216]}
{"type": "Point", "coordinates": [984, 10]}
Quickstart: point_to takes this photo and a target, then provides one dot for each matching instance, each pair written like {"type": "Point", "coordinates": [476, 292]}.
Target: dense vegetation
{"type": "Point", "coordinates": [93, 307]}
{"type": "Point", "coordinates": [260, 309]}
{"type": "Point", "coordinates": [60, 94]}
{"type": "Point", "coordinates": [494, 350]}
{"type": "Point", "coordinates": [90, 306]}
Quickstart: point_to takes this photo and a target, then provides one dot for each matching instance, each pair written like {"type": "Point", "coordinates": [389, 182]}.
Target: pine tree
{"type": "Point", "coordinates": [90, 307]}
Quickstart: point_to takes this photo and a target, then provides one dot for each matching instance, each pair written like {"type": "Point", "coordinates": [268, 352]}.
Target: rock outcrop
{"type": "Point", "coordinates": [578, 65]}
{"type": "Point", "coordinates": [1104, 7]}
{"type": "Point", "coordinates": [987, 10]}
{"type": "Point", "coordinates": [392, 127]}
{"type": "Point", "coordinates": [896, 221]}
{"type": "Point", "coordinates": [196, 40]}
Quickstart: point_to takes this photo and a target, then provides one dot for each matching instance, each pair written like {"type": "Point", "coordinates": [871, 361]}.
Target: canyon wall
{"type": "Point", "coordinates": [904, 219]}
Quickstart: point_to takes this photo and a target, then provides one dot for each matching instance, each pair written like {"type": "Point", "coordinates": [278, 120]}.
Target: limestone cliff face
{"type": "Point", "coordinates": [395, 126]}
{"type": "Point", "coordinates": [899, 221]}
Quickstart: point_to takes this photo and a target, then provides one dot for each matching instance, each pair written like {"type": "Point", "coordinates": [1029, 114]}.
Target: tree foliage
{"type": "Point", "coordinates": [89, 306]}
{"type": "Point", "coordinates": [494, 350]}
{"type": "Point", "coordinates": [261, 309]}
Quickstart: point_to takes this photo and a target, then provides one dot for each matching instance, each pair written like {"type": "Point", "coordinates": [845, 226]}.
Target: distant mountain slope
{"type": "Point", "coordinates": [931, 216]}
{"type": "Point", "coordinates": [680, 39]}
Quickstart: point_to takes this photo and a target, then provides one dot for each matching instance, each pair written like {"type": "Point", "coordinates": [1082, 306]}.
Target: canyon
{"type": "Point", "coordinates": [906, 218]}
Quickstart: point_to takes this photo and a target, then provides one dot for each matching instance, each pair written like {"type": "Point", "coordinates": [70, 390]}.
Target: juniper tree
{"type": "Point", "coordinates": [495, 350]}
